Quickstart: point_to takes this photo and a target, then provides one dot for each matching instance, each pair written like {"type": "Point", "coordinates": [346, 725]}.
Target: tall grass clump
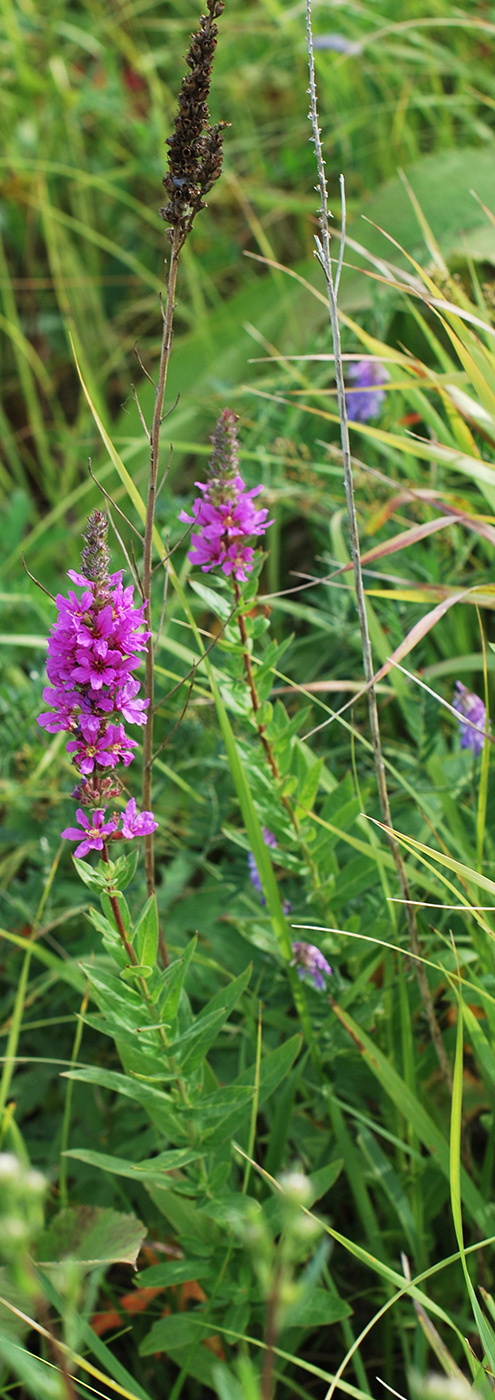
{"type": "Point", "coordinates": [247, 1133]}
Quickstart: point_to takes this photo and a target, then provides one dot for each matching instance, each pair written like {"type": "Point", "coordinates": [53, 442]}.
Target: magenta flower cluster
{"type": "Point", "coordinates": [224, 514]}
{"type": "Point", "coordinates": [94, 646]}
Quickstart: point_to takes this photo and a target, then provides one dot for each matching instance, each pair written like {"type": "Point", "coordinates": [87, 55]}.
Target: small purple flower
{"type": "Point", "coordinates": [269, 840]}
{"type": "Point", "coordinates": [136, 823]}
{"type": "Point", "coordinates": [95, 830]}
{"type": "Point", "coordinates": [337, 42]}
{"type": "Point", "coordinates": [470, 706]}
{"type": "Point", "coordinates": [366, 399]}
{"type": "Point", "coordinates": [132, 709]}
{"type": "Point", "coordinates": [90, 748]}
{"type": "Point", "coordinates": [311, 963]}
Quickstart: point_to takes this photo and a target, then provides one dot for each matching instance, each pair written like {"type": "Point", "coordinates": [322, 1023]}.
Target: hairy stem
{"type": "Point", "coordinates": [168, 317]}
{"type": "Point", "coordinates": [324, 258]}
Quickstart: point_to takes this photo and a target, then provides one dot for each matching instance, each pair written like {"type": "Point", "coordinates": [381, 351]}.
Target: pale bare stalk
{"type": "Point", "coordinates": [324, 258]}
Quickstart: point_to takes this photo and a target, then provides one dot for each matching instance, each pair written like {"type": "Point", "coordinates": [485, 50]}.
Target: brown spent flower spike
{"type": "Point", "coordinates": [195, 148]}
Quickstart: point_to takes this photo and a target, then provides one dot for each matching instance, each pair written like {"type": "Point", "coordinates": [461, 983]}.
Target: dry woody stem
{"type": "Point", "coordinates": [324, 258]}
{"type": "Point", "coordinates": [195, 162]}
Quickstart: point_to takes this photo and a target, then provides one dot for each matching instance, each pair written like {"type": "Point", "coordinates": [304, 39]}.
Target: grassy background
{"type": "Point", "coordinates": [87, 101]}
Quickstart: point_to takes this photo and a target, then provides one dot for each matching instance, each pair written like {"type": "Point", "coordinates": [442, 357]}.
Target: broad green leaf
{"type": "Point", "coordinates": [92, 1236]}
{"type": "Point", "coordinates": [316, 1308]}
{"type": "Point", "coordinates": [153, 1171]}
{"type": "Point", "coordinates": [208, 1023]}
{"type": "Point", "coordinates": [171, 984]}
{"type": "Point", "coordinates": [88, 875]}
{"type": "Point", "coordinates": [179, 1330]}
{"type": "Point", "coordinates": [159, 1106]}
{"type": "Point", "coordinates": [216, 602]}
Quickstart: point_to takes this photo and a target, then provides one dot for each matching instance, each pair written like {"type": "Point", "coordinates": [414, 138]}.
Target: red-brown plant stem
{"type": "Point", "coordinates": [168, 316]}
{"type": "Point", "coordinates": [270, 1339]}
{"type": "Point", "coordinates": [286, 802]}
{"type": "Point", "coordinates": [252, 686]}
{"type": "Point", "coordinates": [131, 953]}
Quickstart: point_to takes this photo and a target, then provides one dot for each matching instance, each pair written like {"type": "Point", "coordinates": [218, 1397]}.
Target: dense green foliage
{"type": "Point", "coordinates": [165, 1148]}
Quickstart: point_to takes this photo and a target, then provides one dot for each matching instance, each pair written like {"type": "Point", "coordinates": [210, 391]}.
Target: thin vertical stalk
{"type": "Point", "coordinates": [262, 735]}
{"type": "Point", "coordinates": [324, 258]}
{"type": "Point", "coordinates": [64, 1141]}
{"type": "Point", "coordinates": [168, 317]}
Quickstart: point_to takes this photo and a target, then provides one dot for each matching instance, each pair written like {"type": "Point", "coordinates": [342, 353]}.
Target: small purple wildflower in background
{"type": "Point", "coordinates": [94, 645]}
{"type": "Point", "coordinates": [311, 963]}
{"type": "Point", "coordinates": [225, 512]}
{"type": "Point", "coordinates": [269, 840]}
{"type": "Point", "coordinates": [470, 706]}
{"type": "Point", "coordinates": [366, 399]}
{"type": "Point", "coordinates": [337, 42]}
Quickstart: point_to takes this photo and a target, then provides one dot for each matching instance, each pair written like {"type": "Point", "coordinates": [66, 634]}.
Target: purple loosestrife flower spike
{"type": "Point", "coordinates": [311, 963]}
{"type": "Point", "coordinates": [366, 399]}
{"type": "Point", "coordinates": [470, 706]}
{"type": "Point", "coordinates": [225, 515]}
{"type": "Point", "coordinates": [94, 646]}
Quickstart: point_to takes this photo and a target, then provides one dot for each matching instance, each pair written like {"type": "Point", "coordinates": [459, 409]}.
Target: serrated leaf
{"type": "Point", "coordinates": [93, 1236]}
